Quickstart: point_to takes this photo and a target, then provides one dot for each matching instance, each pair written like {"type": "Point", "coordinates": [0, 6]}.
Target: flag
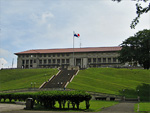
{"type": "Point", "coordinates": [76, 35]}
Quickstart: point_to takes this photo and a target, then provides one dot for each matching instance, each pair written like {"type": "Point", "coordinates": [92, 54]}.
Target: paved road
{"type": "Point", "coordinates": [123, 107]}
{"type": "Point", "coordinates": [10, 107]}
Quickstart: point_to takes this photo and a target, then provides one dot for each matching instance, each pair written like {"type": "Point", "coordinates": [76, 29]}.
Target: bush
{"type": "Point", "coordinates": [49, 98]}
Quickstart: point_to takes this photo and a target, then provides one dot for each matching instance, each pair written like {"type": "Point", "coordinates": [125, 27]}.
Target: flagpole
{"type": "Point", "coordinates": [73, 48]}
{"type": "Point", "coordinates": [80, 42]}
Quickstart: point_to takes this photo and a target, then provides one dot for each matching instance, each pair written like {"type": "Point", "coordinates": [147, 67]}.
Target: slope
{"type": "Point", "coordinates": [22, 78]}
{"type": "Point", "coordinates": [109, 80]}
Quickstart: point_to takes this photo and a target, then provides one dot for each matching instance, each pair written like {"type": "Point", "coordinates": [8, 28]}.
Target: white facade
{"type": "Point", "coordinates": [64, 59]}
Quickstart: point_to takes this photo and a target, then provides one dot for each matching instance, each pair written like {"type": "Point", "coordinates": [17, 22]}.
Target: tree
{"type": "Point", "coordinates": [136, 49]}
{"type": "Point", "coordinates": [139, 11]}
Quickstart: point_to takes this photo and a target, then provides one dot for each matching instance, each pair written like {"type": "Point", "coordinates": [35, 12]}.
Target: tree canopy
{"type": "Point", "coordinates": [136, 49]}
{"type": "Point", "coordinates": [139, 11]}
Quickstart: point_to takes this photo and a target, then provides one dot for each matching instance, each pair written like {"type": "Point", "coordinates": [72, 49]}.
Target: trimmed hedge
{"type": "Point", "coordinates": [49, 98]}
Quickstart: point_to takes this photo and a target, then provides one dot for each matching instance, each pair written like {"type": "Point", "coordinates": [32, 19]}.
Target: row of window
{"type": "Point", "coordinates": [45, 55]}
{"type": "Point", "coordinates": [90, 60]}
{"type": "Point", "coordinates": [27, 61]}
{"type": "Point", "coordinates": [102, 60]}
{"type": "Point", "coordinates": [46, 61]}
{"type": "Point", "coordinates": [58, 61]}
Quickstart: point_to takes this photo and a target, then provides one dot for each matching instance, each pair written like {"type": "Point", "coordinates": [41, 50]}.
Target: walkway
{"type": "Point", "coordinates": [123, 107]}
{"type": "Point", "coordinates": [10, 107]}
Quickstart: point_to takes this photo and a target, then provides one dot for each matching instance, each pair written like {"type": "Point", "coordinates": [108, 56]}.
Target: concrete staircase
{"type": "Point", "coordinates": [61, 79]}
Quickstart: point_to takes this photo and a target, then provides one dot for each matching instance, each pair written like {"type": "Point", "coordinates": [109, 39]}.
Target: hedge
{"type": "Point", "coordinates": [49, 98]}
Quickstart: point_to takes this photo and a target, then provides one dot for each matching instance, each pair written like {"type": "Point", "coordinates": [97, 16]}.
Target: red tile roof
{"type": "Point", "coordinates": [70, 50]}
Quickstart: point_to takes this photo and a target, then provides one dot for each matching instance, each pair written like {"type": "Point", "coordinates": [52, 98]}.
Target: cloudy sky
{"type": "Point", "coordinates": [46, 24]}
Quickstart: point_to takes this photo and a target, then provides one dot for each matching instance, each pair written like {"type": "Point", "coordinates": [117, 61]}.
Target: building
{"type": "Point", "coordinates": [82, 57]}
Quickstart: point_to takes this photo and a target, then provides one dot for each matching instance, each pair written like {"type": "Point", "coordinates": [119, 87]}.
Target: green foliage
{"type": "Point", "coordinates": [143, 91]}
{"type": "Point", "coordinates": [49, 98]}
{"type": "Point", "coordinates": [109, 80]}
{"type": "Point", "coordinates": [22, 78]}
{"type": "Point", "coordinates": [136, 49]}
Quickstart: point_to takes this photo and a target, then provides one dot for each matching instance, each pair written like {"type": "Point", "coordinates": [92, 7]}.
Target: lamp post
{"type": "Point", "coordinates": [124, 94]}
{"type": "Point", "coordinates": [138, 95]}
{"type": "Point", "coordinates": [138, 92]}
{"type": "Point", "coordinates": [34, 84]}
{"type": "Point", "coordinates": [31, 84]}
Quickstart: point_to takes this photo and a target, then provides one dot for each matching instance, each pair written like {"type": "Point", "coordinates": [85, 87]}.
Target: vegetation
{"type": "Point", "coordinates": [136, 49]}
{"type": "Point", "coordinates": [24, 78]}
{"type": "Point", "coordinates": [143, 107]}
{"type": "Point", "coordinates": [48, 98]}
{"type": "Point", "coordinates": [109, 80]}
{"type": "Point", "coordinates": [95, 105]}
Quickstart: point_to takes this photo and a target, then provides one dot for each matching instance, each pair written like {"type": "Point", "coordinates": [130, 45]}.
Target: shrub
{"type": "Point", "coordinates": [49, 98]}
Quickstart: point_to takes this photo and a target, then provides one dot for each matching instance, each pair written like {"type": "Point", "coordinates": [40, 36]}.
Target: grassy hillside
{"type": "Point", "coordinates": [109, 80]}
{"type": "Point", "coordinates": [22, 78]}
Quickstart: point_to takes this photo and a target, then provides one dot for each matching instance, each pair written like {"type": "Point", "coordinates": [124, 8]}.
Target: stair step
{"type": "Point", "coordinates": [61, 79]}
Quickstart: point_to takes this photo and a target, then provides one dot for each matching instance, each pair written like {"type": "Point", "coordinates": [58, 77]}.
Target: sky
{"type": "Point", "coordinates": [48, 24]}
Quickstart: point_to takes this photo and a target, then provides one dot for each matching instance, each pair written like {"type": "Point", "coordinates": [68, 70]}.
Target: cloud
{"type": "Point", "coordinates": [4, 53]}
{"type": "Point", "coordinates": [3, 62]}
{"type": "Point", "coordinates": [42, 18]}
{"type": "Point", "coordinates": [6, 59]}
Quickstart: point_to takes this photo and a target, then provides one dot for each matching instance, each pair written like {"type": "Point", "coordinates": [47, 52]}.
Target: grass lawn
{"type": "Point", "coordinates": [143, 107]}
{"type": "Point", "coordinates": [22, 78]}
{"type": "Point", "coordinates": [94, 106]}
{"type": "Point", "coordinates": [109, 80]}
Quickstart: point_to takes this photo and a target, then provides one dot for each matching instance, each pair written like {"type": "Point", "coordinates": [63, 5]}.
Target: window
{"type": "Point", "coordinates": [67, 60]}
{"type": "Point", "coordinates": [49, 61]}
{"type": "Point", "coordinates": [31, 62]}
{"type": "Point", "coordinates": [104, 60]}
{"type": "Point", "coordinates": [27, 61]}
{"type": "Point", "coordinates": [67, 54]}
{"type": "Point", "coordinates": [34, 55]}
{"type": "Point", "coordinates": [58, 55]}
{"type": "Point", "coordinates": [53, 60]}
{"type": "Point", "coordinates": [114, 60]}
{"type": "Point", "coordinates": [63, 60]}
{"type": "Point", "coordinates": [89, 60]}
{"type": "Point", "coordinates": [40, 55]}
{"type": "Point", "coordinates": [49, 55]}
{"type": "Point", "coordinates": [109, 60]}
{"type": "Point", "coordinates": [40, 61]}
{"type": "Point", "coordinates": [99, 59]}
{"type": "Point", "coordinates": [44, 55]}
{"type": "Point", "coordinates": [34, 61]}
{"type": "Point", "coordinates": [94, 60]}
{"type": "Point", "coordinates": [53, 55]}
{"type": "Point", "coordinates": [45, 61]}
{"type": "Point", "coordinates": [58, 60]}
{"type": "Point", "coordinates": [27, 55]}
{"type": "Point", "coordinates": [22, 61]}
{"type": "Point", "coordinates": [63, 54]}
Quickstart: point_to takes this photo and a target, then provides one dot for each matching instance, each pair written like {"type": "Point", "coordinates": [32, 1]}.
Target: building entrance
{"type": "Point", "coordinates": [78, 62]}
